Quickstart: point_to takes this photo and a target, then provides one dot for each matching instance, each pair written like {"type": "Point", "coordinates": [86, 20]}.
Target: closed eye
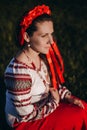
{"type": "Point", "coordinates": [52, 34]}
{"type": "Point", "coordinates": [44, 35]}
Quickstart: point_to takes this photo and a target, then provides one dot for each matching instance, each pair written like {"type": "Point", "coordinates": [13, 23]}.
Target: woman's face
{"type": "Point", "coordinates": [43, 37]}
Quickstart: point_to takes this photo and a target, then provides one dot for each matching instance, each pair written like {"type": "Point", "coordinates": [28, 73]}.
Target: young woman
{"type": "Point", "coordinates": [36, 97]}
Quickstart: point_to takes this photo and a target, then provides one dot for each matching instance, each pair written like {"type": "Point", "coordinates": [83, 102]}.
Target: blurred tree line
{"type": "Point", "coordinates": [70, 23]}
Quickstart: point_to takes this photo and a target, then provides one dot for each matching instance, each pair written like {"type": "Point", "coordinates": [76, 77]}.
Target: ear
{"type": "Point", "coordinates": [26, 37]}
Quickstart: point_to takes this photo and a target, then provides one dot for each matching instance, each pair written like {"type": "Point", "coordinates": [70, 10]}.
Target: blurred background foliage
{"type": "Point", "coordinates": [70, 23]}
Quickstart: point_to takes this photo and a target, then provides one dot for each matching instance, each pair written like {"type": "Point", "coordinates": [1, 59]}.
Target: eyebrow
{"type": "Point", "coordinates": [47, 33]}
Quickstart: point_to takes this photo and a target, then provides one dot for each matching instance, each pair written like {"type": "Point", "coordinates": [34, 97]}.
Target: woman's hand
{"type": "Point", "coordinates": [74, 100]}
{"type": "Point", "coordinates": [78, 102]}
{"type": "Point", "coordinates": [55, 94]}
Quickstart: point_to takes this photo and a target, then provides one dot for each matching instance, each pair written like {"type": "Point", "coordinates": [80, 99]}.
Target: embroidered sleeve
{"type": "Point", "coordinates": [18, 83]}
{"type": "Point", "coordinates": [46, 106]}
{"type": "Point", "coordinates": [62, 91]}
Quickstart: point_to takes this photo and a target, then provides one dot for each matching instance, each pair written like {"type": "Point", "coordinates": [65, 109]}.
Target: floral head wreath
{"type": "Point", "coordinates": [30, 16]}
{"type": "Point", "coordinates": [53, 57]}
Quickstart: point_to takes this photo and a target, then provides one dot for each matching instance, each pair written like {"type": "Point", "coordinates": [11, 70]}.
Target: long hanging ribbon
{"type": "Point", "coordinates": [58, 62]}
{"type": "Point", "coordinates": [56, 65]}
{"type": "Point", "coordinates": [59, 57]}
{"type": "Point", "coordinates": [54, 83]}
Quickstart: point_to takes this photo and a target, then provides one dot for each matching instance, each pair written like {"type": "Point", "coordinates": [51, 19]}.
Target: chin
{"type": "Point", "coordinates": [45, 52]}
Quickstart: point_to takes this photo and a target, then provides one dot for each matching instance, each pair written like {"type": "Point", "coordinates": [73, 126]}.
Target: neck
{"type": "Point", "coordinates": [31, 53]}
{"type": "Point", "coordinates": [33, 56]}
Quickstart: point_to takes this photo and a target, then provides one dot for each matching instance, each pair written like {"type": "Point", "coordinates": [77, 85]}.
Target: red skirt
{"type": "Point", "coordinates": [65, 117]}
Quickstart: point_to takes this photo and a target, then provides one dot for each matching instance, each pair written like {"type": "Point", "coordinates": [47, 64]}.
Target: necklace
{"type": "Point", "coordinates": [33, 64]}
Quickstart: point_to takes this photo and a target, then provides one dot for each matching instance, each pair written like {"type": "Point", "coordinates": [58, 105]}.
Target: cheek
{"type": "Point", "coordinates": [37, 45]}
{"type": "Point", "coordinates": [40, 46]}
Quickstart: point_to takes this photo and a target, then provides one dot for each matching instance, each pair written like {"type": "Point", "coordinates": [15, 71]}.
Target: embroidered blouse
{"type": "Point", "coordinates": [27, 94]}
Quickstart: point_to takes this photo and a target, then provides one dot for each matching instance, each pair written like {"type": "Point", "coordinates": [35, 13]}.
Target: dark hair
{"type": "Point", "coordinates": [32, 28]}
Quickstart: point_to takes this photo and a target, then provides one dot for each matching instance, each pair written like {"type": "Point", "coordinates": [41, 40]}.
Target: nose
{"type": "Point", "coordinates": [50, 39]}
